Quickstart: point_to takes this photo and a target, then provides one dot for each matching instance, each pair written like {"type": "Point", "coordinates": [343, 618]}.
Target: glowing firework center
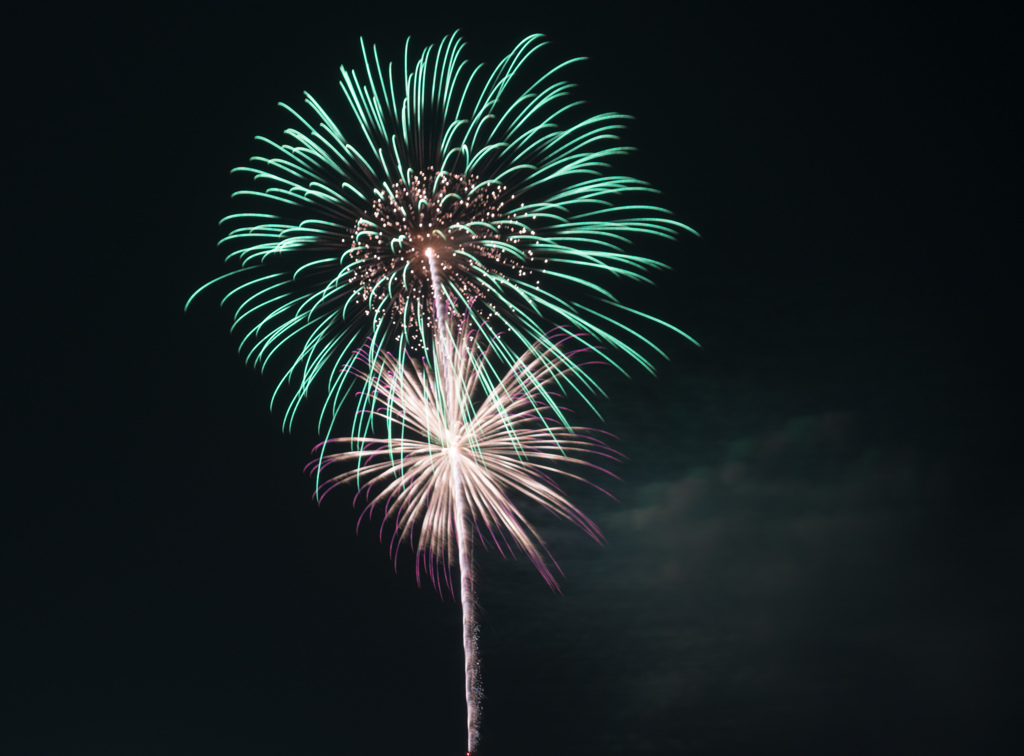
{"type": "Point", "coordinates": [479, 249]}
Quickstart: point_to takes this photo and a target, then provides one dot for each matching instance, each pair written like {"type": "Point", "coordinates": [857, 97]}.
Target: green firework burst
{"type": "Point", "coordinates": [493, 171]}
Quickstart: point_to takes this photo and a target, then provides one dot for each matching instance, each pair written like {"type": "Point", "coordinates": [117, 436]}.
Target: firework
{"type": "Point", "coordinates": [414, 259]}
{"type": "Point", "coordinates": [498, 442]}
{"type": "Point", "coordinates": [491, 171]}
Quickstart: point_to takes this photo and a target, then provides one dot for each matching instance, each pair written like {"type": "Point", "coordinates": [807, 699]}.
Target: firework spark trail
{"type": "Point", "coordinates": [467, 599]}
{"type": "Point", "coordinates": [445, 346]}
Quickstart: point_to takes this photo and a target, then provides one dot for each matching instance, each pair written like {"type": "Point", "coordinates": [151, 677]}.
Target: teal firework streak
{"type": "Point", "coordinates": [495, 172]}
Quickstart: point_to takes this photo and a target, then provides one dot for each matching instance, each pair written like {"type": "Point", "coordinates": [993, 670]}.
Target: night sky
{"type": "Point", "coordinates": [813, 547]}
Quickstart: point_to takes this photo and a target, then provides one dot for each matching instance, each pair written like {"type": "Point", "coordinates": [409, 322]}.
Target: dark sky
{"type": "Point", "coordinates": [813, 543]}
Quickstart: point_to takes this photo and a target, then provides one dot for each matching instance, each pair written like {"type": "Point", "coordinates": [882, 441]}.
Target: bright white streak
{"type": "Point", "coordinates": [444, 343]}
